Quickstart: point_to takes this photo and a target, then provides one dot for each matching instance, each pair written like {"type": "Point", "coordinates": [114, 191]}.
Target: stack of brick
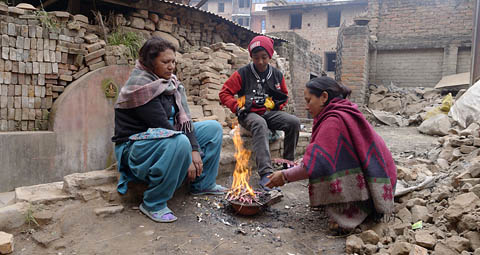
{"type": "Point", "coordinates": [38, 60]}
{"type": "Point", "coordinates": [203, 71]}
{"type": "Point", "coordinates": [185, 33]}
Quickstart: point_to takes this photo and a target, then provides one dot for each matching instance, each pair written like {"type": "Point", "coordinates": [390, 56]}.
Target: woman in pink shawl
{"type": "Point", "coordinates": [350, 170]}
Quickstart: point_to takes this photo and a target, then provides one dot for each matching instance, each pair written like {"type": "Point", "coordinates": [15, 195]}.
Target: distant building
{"type": "Point", "coordinates": [235, 10]}
{"type": "Point", "coordinates": [258, 15]}
{"type": "Point", "coordinates": [316, 21]}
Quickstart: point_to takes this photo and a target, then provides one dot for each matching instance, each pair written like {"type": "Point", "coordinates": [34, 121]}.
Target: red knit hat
{"type": "Point", "coordinates": [261, 41]}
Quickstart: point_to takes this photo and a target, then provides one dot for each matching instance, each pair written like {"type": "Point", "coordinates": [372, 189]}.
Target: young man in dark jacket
{"type": "Point", "coordinates": [262, 93]}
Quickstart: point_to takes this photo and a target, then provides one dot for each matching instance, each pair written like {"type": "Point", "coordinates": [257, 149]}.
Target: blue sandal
{"type": "Point", "coordinates": [215, 190]}
{"type": "Point", "coordinates": [163, 216]}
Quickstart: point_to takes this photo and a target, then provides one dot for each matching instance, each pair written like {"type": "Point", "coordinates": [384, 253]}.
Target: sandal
{"type": "Point", "coordinates": [215, 190]}
{"type": "Point", "coordinates": [163, 216]}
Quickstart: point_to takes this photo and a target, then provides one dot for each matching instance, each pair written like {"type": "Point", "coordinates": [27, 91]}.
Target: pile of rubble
{"type": "Point", "coordinates": [395, 106]}
{"type": "Point", "coordinates": [438, 209]}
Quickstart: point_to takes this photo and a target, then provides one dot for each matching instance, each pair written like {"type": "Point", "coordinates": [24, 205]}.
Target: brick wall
{"type": "Point", "coordinates": [421, 24]}
{"type": "Point", "coordinates": [39, 61]}
{"type": "Point", "coordinates": [355, 61]}
{"type": "Point", "coordinates": [419, 42]}
{"type": "Point", "coordinates": [302, 62]}
{"type": "Point", "coordinates": [464, 60]}
{"type": "Point", "coordinates": [409, 68]}
{"type": "Point", "coordinates": [314, 25]}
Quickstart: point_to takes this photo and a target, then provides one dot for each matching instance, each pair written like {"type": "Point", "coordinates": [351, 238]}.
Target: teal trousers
{"type": "Point", "coordinates": [163, 163]}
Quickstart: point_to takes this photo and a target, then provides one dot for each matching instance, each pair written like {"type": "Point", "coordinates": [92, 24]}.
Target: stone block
{"type": "Point", "coordinates": [153, 17]}
{"type": "Point", "coordinates": [5, 53]}
{"type": "Point", "coordinates": [11, 29]}
{"type": "Point", "coordinates": [32, 31]}
{"type": "Point", "coordinates": [91, 38]}
{"type": "Point", "coordinates": [13, 216]}
{"type": "Point", "coordinates": [164, 26]}
{"type": "Point", "coordinates": [104, 211]}
{"type": "Point", "coordinates": [78, 181]}
{"type": "Point", "coordinates": [66, 77]}
{"type": "Point", "coordinates": [5, 40]}
{"type": "Point", "coordinates": [168, 37]}
{"type": "Point", "coordinates": [94, 47]}
{"type": "Point", "coordinates": [65, 38]}
{"type": "Point", "coordinates": [27, 43]}
{"type": "Point", "coordinates": [425, 239]}
{"type": "Point", "coordinates": [41, 194]}
{"type": "Point", "coordinates": [353, 244]}
{"type": "Point", "coordinates": [97, 65]}
{"type": "Point", "coordinates": [81, 18]}
{"type": "Point", "coordinates": [16, 11]}
{"type": "Point", "coordinates": [461, 204]}
{"type": "Point", "coordinates": [39, 32]}
{"type": "Point", "coordinates": [20, 42]}
{"type": "Point", "coordinates": [136, 22]}
{"type": "Point", "coordinates": [94, 61]}
{"type": "Point", "coordinates": [95, 54]}
{"type": "Point", "coordinates": [149, 25]}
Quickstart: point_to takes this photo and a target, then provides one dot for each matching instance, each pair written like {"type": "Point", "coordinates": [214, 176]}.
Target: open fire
{"type": "Point", "coordinates": [241, 191]}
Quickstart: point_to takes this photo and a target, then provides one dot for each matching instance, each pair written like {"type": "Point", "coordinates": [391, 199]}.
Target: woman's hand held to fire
{"type": "Point", "coordinates": [276, 179]}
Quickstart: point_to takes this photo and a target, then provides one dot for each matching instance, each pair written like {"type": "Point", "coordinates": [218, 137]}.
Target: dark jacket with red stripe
{"type": "Point", "coordinates": [244, 81]}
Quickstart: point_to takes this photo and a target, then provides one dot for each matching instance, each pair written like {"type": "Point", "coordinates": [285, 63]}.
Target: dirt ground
{"type": "Point", "coordinates": [206, 225]}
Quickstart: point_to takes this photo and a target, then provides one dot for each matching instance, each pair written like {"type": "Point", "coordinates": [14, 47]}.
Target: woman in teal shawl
{"type": "Point", "coordinates": [155, 139]}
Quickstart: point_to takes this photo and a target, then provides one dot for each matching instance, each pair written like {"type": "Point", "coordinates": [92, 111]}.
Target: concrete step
{"type": "Point", "coordinates": [41, 194]}
{"type": "Point", "coordinates": [79, 181]}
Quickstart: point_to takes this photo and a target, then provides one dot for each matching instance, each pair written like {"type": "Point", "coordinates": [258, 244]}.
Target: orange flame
{"type": "Point", "coordinates": [242, 173]}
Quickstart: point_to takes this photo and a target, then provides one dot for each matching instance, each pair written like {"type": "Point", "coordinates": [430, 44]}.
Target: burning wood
{"type": "Point", "coordinates": [241, 191]}
{"type": "Point", "coordinates": [242, 196]}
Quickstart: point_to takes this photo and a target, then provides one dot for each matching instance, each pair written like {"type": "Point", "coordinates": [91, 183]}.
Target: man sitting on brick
{"type": "Point", "coordinates": [262, 93]}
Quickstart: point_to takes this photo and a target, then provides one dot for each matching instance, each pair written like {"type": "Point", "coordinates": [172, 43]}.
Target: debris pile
{"type": "Point", "coordinates": [438, 204]}
{"type": "Point", "coordinates": [395, 106]}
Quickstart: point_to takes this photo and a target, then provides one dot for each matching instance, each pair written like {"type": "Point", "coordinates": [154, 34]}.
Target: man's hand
{"type": "Point", "coordinates": [241, 113]}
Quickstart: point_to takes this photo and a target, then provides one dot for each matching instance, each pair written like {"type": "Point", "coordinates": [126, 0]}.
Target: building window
{"type": "Point", "coordinates": [221, 7]}
{"type": "Point", "coordinates": [264, 27]}
{"type": "Point", "coordinates": [331, 58]}
{"type": "Point", "coordinates": [295, 21]}
{"type": "Point", "coordinates": [243, 3]}
{"type": "Point", "coordinates": [334, 18]}
{"type": "Point", "coordinates": [245, 21]}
